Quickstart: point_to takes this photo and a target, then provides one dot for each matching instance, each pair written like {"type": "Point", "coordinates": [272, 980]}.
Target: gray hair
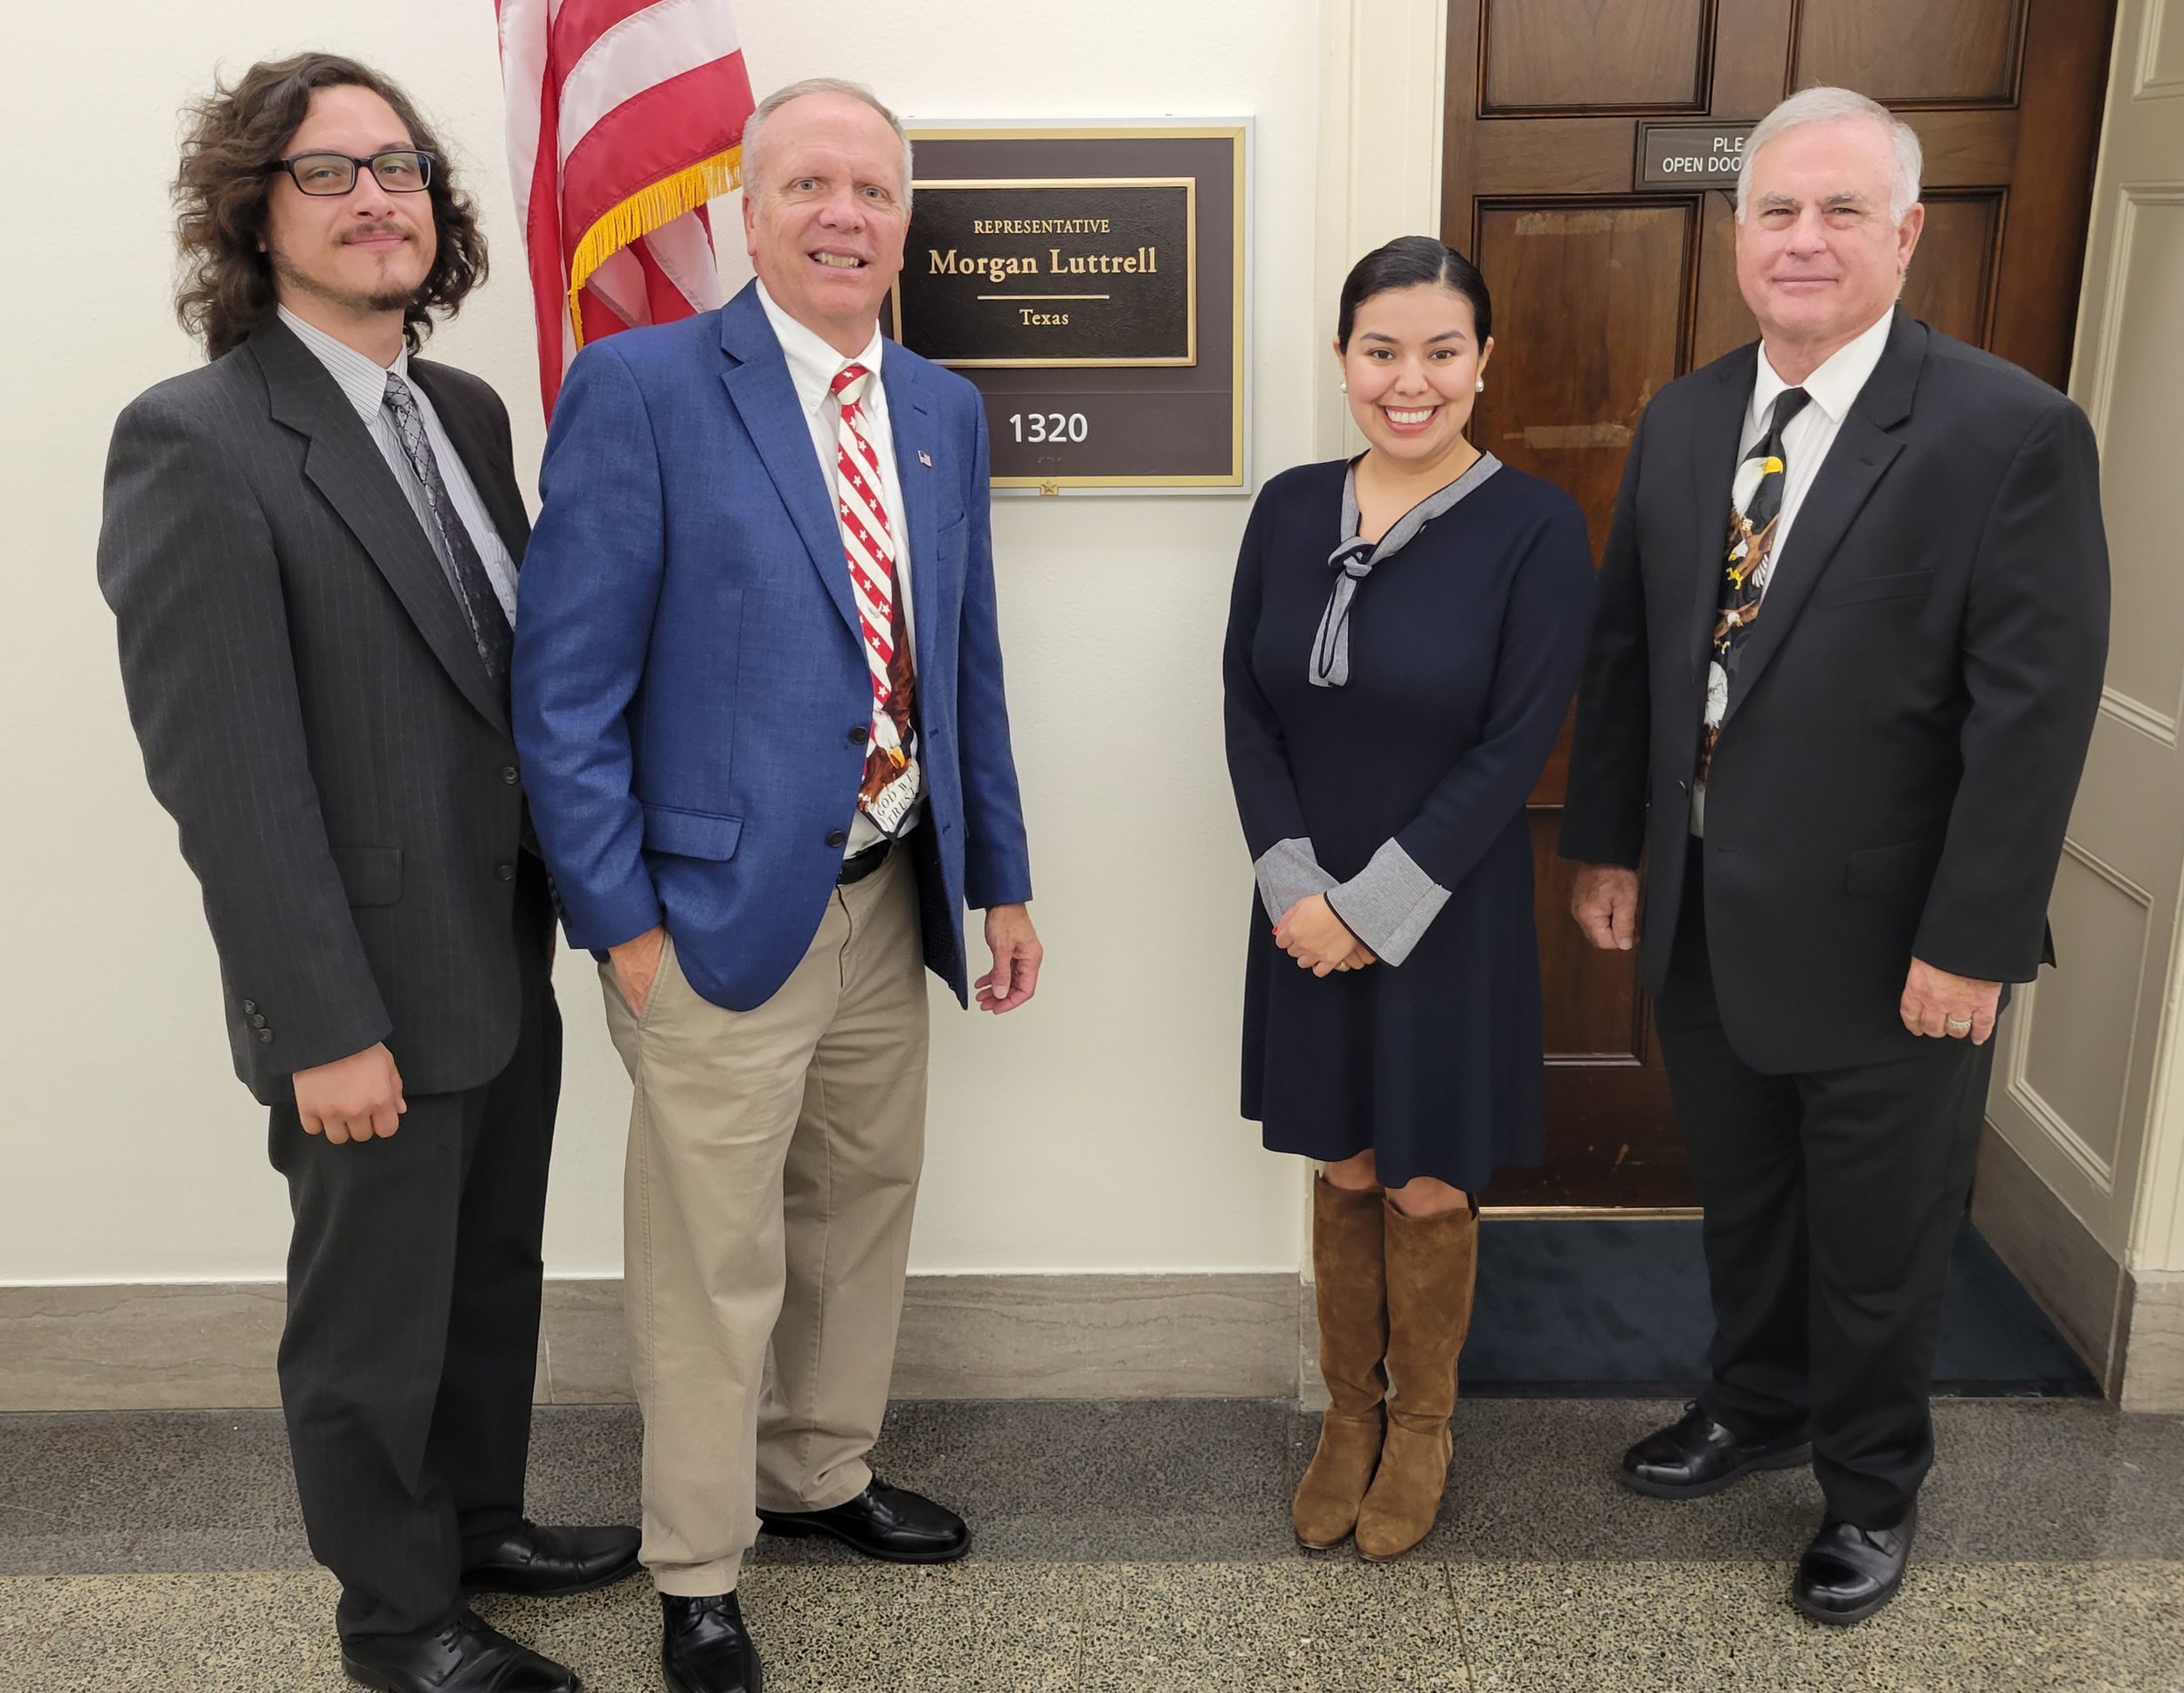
{"type": "Point", "coordinates": [755, 124]}
{"type": "Point", "coordinates": [1831, 106]}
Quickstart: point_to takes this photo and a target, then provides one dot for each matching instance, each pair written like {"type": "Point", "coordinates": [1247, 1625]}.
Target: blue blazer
{"type": "Point", "coordinates": [689, 671]}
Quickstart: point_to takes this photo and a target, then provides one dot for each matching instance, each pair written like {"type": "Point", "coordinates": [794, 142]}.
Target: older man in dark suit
{"type": "Point", "coordinates": [310, 546]}
{"type": "Point", "coordinates": [1847, 743]}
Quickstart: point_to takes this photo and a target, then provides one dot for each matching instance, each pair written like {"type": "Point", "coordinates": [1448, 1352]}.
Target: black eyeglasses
{"type": "Point", "coordinates": [399, 170]}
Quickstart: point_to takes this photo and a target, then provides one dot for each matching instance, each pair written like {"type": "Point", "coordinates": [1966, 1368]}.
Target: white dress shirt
{"type": "Point", "coordinates": [363, 380]}
{"type": "Point", "coordinates": [1805, 440]}
{"type": "Point", "coordinates": [813, 365]}
{"type": "Point", "coordinates": [1834, 387]}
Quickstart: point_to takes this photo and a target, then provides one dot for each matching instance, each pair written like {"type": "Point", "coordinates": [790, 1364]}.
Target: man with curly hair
{"type": "Point", "coordinates": [310, 546]}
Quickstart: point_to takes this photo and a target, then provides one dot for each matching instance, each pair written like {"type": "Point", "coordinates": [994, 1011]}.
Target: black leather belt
{"type": "Point", "coordinates": [858, 866]}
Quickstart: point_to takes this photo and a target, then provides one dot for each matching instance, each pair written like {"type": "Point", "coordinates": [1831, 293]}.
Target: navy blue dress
{"type": "Point", "coordinates": [1463, 651]}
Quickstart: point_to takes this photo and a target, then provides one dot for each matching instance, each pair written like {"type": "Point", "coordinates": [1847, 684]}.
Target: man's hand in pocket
{"type": "Point", "coordinates": [636, 962]}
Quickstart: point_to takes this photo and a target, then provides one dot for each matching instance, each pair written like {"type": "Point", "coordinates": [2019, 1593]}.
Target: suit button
{"type": "Point", "coordinates": [509, 776]}
{"type": "Point", "coordinates": [859, 735]}
{"type": "Point", "coordinates": [506, 872]}
{"type": "Point", "coordinates": [836, 838]}
{"type": "Point", "coordinates": [265, 1036]}
{"type": "Point", "coordinates": [249, 1006]}
{"type": "Point", "coordinates": [258, 1020]}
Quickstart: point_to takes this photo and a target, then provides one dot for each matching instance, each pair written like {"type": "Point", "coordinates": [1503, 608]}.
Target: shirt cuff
{"type": "Point", "coordinates": [1288, 872]}
{"type": "Point", "coordinates": [1389, 904]}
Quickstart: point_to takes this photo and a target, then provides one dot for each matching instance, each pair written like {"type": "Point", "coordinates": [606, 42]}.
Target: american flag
{"type": "Point", "coordinates": [624, 119]}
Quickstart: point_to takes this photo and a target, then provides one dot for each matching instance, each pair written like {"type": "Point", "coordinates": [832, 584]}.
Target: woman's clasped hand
{"type": "Point", "coordinates": [1320, 941]}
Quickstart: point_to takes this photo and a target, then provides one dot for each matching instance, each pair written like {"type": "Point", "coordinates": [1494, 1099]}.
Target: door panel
{"type": "Point", "coordinates": [1720, 320]}
{"type": "Point", "coordinates": [1540, 55]}
{"type": "Point", "coordinates": [1605, 289]}
{"type": "Point", "coordinates": [1599, 1016]}
{"type": "Point", "coordinates": [1935, 52]}
{"type": "Point", "coordinates": [1951, 284]}
{"type": "Point", "coordinates": [1561, 402]}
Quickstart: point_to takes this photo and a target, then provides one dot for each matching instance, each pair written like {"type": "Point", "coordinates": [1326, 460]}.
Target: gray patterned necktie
{"type": "Point", "coordinates": [474, 588]}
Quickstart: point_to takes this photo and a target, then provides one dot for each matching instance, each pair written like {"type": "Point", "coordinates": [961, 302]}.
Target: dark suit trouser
{"type": "Point", "coordinates": [1832, 1201]}
{"type": "Point", "coordinates": [410, 1349]}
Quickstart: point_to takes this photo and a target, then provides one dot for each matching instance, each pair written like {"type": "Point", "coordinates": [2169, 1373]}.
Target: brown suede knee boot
{"type": "Point", "coordinates": [1432, 1265]}
{"type": "Point", "coordinates": [1350, 1292]}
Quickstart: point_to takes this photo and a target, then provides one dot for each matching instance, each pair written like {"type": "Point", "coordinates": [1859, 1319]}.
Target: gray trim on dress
{"type": "Point", "coordinates": [1389, 904]}
{"type": "Point", "coordinates": [1353, 561]}
{"type": "Point", "coordinates": [1289, 871]}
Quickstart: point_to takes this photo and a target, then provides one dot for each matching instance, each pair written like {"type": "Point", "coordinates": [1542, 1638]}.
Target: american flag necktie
{"type": "Point", "coordinates": [892, 778]}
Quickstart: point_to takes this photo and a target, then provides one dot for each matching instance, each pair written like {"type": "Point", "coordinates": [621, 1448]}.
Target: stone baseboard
{"type": "Point", "coordinates": [211, 1346]}
{"type": "Point", "coordinates": [2152, 1376]}
{"type": "Point", "coordinates": [173, 1346]}
{"type": "Point", "coordinates": [159, 1346]}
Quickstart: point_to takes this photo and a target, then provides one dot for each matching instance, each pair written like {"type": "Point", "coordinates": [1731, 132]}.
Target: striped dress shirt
{"type": "Point", "coordinates": [363, 380]}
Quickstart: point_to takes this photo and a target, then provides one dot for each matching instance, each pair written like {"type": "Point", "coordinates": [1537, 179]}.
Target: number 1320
{"type": "Point", "coordinates": [1049, 426]}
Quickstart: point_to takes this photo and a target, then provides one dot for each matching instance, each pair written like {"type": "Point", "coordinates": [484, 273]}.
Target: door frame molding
{"type": "Point", "coordinates": [2154, 1239]}
{"type": "Point", "coordinates": [1383, 76]}
{"type": "Point", "coordinates": [1379, 177]}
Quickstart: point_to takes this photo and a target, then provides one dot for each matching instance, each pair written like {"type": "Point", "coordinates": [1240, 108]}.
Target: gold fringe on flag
{"type": "Point", "coordinates": [644, 211]}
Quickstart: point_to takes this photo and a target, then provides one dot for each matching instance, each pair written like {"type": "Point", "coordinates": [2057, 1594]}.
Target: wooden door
{"type": "Point", "coordinates": [1606, 289]}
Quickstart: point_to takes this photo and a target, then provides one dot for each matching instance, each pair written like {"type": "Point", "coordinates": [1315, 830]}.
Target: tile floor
{"type": "Point", "coordinates": [1143, 1545]}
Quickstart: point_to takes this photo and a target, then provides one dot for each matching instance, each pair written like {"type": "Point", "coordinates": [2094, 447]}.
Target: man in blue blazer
{"type": "Point", "coordinates": [758, 694]}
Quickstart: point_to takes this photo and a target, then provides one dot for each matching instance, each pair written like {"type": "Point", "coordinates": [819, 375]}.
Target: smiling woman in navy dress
{"type": "Point", "coordinates": [1404, 641]}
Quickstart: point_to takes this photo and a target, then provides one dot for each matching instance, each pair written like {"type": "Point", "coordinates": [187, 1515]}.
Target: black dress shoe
{"type": "Point", "coordinates": [1695, 1456]}
{"type": "Point", "coordinates": [884, 1522]}
{"type": "Point", "coordinates": [466, 1656]}
{"type": "Point", "coordinates": [704, 1647]}
{"type": "Point", "coordinates": [1848, 1572]}
{"type": "Point", "coordinates": [544, 1563]}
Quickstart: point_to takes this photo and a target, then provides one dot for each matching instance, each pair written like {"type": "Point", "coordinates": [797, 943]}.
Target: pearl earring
{"type": "Point", "coordinates": [1346, 388]}
{"type": "Point", "coordinates": [1482, 384]}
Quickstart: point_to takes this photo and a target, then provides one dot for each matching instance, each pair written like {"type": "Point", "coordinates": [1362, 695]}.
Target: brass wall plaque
{"type": "Point", "coordinates": [1053, 272]}
{"type": "Point", "coordinates": [1690, 155]}
{"type": "Point", "coordinates": [1090, 279]}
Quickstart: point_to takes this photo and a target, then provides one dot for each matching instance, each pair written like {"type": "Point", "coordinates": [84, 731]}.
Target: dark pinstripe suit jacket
{"type": "Point", "coordinates": [314, 715]}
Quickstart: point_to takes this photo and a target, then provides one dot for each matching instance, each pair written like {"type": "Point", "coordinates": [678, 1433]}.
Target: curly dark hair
{"type": "Point", "coordinates": [235, 136]}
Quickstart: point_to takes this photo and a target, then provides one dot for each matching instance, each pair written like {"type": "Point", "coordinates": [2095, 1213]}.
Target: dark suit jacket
{"type": "Point", "coordinates": [1899, 760]}
{"type": "Point", "coordinates": [316, 715]}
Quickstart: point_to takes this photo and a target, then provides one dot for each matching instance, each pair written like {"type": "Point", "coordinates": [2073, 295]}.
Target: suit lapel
{"type": "Point", "coordinates": [917, 443]}
{"type": "Point", "coordinates": [490, 471]}
{"type": "Point", "coordinates": [1861, 455]}
{"type": "Point", "coordinates": [1716, 435]}
{"type": "Point", "coordinates": [343, 462]}
{"type": "Point", "coordinates": [758, 386]}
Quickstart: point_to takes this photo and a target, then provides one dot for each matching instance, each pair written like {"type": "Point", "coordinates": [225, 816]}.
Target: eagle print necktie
{"type": "Point", "coordinates": [1755, 512]}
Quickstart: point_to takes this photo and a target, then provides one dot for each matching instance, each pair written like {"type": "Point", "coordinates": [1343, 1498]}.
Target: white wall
{"type": "Point", "coordinates": [1096, 1129]}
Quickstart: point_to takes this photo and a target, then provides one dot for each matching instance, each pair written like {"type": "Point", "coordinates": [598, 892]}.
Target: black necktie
{"type": "Point", "coordinates": [466, 571]}
{"type": "Point", "coordinates": [1752, 523]}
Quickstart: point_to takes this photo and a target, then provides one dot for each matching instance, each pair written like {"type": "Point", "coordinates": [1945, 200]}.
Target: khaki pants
{"type": "Point", "coordinates": [773, 1164]}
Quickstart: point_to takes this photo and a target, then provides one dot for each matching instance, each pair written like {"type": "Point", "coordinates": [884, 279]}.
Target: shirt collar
{"type": "Point", "coordinates": [360, 377]}
{"type": "Point", "coordinates": [814, 364]}
{"type": "Point", "coordinates": [1838, 381]}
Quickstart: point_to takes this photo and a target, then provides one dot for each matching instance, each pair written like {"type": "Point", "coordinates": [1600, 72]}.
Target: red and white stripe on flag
{"type": "Point", "coordinates": [625, 120]}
